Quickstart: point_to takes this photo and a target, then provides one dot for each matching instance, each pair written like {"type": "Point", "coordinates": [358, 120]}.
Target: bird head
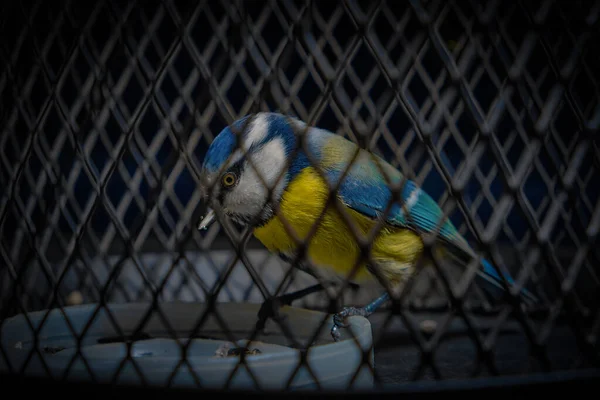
{"type": "Point", "coordinates": [246, 167]}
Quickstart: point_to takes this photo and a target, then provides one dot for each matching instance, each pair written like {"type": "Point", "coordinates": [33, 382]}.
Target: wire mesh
{"type": "Point", "coordinates": [108, 110]}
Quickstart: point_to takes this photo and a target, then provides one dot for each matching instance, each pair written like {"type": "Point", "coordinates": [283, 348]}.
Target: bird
{"type": "Point", "coordinates": [277, 175]}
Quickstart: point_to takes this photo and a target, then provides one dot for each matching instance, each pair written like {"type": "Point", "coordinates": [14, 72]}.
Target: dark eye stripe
{"type": "Point", "coordinates": [237, 168]}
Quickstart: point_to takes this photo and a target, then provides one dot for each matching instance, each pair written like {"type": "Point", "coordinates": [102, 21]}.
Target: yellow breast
{"type": "Point", "coordinates": [333, 244]}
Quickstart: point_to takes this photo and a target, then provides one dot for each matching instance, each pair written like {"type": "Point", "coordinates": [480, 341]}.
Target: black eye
{"type": "Point", "coordinates": [228, 179]}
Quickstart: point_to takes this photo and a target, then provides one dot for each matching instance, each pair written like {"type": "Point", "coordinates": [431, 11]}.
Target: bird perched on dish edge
{"type": "Point", "coordinates": [262, 175]}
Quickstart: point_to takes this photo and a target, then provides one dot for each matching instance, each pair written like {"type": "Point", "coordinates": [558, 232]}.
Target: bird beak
{"type": "Point", "coordinates": [207, 220]}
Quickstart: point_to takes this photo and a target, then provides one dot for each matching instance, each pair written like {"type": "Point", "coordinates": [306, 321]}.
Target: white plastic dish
{"type": "Point", "coordinates": [335, 365]}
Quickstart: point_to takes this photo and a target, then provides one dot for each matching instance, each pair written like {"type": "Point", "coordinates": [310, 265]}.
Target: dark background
{"type": "Point", "coordinates": [528, 65]}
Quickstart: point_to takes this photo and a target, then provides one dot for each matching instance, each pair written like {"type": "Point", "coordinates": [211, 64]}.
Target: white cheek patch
{"type": "Point", "coordinates": [250, 194]}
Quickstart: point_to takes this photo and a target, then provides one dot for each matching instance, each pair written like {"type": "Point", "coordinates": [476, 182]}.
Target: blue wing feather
{"type": "Point", "coordinates": [365, 189]}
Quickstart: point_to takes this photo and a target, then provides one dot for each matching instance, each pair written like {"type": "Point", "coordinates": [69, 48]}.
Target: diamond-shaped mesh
{"type": "Point", "coordinates": [108, 110]}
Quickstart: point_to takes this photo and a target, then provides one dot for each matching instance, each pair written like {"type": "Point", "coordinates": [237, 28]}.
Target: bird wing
{"type": "Point", "coordinates": [365, 188]}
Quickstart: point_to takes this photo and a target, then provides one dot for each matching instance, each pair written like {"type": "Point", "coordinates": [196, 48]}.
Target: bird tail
{"type": "Point", "coordinates": [494, 286]}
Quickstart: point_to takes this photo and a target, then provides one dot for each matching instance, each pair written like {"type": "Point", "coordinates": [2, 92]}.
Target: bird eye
{"type": "Point", "coordinates": [229, 179]}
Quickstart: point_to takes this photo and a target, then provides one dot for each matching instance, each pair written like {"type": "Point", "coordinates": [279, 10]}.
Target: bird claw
{"type": "Point", "coordinates": [335, 333]}
{"type": "Point", "coordinates": [339, 319]}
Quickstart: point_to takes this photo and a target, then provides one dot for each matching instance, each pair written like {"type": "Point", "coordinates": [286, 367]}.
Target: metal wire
{"type": "Point", "coordinates": [108, 109]}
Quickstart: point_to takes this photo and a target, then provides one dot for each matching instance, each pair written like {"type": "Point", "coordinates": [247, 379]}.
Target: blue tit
{"type": "Point", "coordinates": [275, 173]}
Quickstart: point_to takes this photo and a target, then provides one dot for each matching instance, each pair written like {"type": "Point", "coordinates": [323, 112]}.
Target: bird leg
{"type": "Point", "coordinates": [338, 319]}
{"type": "Point", "coordinates": [270, 307]}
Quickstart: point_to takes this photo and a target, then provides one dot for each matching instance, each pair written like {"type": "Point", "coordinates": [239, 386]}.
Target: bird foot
{"type": "Point", "coordinates": [339, 319]}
